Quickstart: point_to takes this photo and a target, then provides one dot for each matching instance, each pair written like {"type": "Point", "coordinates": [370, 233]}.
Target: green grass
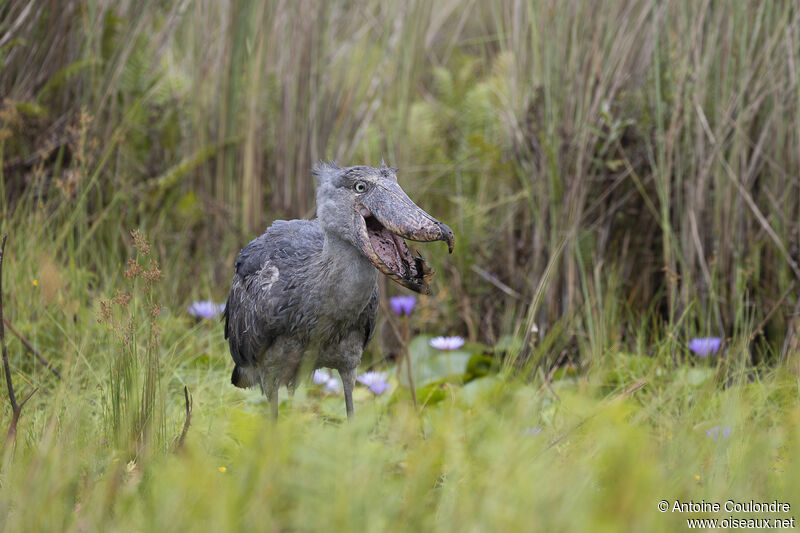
{"type": "Point", "coordinates": [619, 179]}
{"type": "Point", "coordinates": [607, 452]}
{"type": "Point", "coordinates": [601, 460]}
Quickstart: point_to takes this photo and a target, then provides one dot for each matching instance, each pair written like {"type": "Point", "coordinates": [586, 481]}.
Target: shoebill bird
{"type": "Point", "coordinates": [305, 293]}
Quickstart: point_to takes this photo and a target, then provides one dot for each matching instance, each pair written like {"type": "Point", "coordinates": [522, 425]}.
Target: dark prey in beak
{"type": "Point", "coordinates": [389, 216]}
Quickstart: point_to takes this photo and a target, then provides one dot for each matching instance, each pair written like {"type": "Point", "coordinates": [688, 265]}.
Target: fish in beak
{"type": "Point", "coordinates": [385, 217]}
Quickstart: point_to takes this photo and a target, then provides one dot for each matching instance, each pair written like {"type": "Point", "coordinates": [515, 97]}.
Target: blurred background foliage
{"type": "Point", "coordinates": [621, 177]}
{"type": "Point", "coordinates": [646, 152]}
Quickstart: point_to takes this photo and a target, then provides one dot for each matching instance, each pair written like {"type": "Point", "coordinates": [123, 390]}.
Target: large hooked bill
{"type": "Point", "coordinates": [387, 217]}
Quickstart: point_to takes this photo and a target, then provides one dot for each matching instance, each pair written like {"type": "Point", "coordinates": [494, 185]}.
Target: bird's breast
{"type": "Point", "coordinates": [350, 293]}
{"type": "Point", "coordinates": [345, 277]}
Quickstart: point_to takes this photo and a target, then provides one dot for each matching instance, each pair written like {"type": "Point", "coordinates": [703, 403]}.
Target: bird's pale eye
{"type": "Point", "coordinates": [360, 186]}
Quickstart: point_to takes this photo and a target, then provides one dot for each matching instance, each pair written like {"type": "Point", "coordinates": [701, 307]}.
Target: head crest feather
{"type": "Point", "coordinates": [325, 171]}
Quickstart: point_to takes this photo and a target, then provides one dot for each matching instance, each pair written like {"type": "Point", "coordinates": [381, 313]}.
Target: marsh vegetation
{"type": "Point", "coordinates": [621, 179]}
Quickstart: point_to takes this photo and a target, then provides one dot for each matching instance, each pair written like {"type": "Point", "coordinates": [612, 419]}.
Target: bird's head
{"type": "Point", "coordinates": [367, 208]}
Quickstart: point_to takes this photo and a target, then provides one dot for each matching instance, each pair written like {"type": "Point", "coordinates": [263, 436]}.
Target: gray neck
{"type": "Point", "coordinates": [350, 277]}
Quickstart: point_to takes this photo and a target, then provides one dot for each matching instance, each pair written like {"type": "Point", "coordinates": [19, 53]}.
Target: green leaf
{"type": "Point", "coordinates": [432, 394]}
{"type": "Point", "coordinates": [480, 365]}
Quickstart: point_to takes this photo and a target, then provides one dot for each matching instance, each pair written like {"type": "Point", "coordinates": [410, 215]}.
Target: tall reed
{"type": "Point", "coordinates": [655, 140]}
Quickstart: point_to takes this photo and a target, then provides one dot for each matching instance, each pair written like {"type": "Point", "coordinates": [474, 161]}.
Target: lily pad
{"type": "Point", "coordinates": [698, 376]}
{"type": "Point", "coordinates": [430, 365]}
{"type": "Point", "coordinates": [477, 389]}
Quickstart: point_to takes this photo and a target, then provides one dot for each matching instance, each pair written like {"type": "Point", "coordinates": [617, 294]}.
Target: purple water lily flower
{"type": "Point", "coordinates": [705, 346]}
{"type": "Point", "coordinates": [321, 377]}
{"type": "Point", "coordinates": [324, 377]}
{"type": "Point", "coordinates": [402, 305]}
{"type": "Point", "coordinates": [205, 309]}
{"type": "Point", "coordinates": [375, 381]}
{"type": "Point", "coordinates": [714, 432]}
{"type": "Point", "coordinates": [447, 343]}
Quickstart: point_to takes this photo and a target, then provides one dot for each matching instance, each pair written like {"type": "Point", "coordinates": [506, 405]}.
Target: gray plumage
{"type": "Point", "coordinates": [304, 294]}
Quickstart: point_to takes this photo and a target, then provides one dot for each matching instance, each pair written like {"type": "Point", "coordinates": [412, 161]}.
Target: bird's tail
{"type": "Point", "coordinates": [241, 378]}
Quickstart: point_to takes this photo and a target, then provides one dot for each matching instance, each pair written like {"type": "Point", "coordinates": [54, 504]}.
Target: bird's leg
{"type": "Point", "coordinates": [270, 390]}
{"type": "Point", "coordinates": [348, 382]}
{"type": "Point", "coordinates": [274, 403]}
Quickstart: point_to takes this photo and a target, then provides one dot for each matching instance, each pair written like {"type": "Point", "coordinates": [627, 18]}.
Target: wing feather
{"type": "Point", "coordinates": [369, 317]}
{"type": "Point", "coordinates": [260, 302]}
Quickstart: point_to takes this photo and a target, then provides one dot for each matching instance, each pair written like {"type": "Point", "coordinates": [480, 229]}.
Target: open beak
{"type": "Point", "coordinates": [386, 217]}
